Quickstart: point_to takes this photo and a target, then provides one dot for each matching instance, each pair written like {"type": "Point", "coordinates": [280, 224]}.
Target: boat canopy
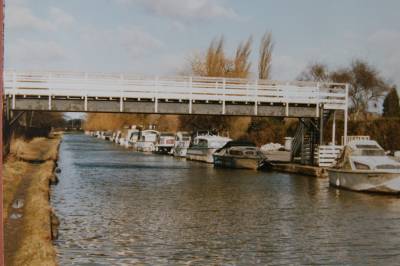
{"type": "Point", "coordinates": [238, 144]}
{"type": "Point", "coordinates": [213, 142]}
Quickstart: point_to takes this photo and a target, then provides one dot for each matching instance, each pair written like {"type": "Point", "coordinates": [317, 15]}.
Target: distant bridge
{"type": "Point", "coordinates": [122, 93]}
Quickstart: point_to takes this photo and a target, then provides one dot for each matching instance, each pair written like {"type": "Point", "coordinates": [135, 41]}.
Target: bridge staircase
{"type": "Point", "coordinates": [307, 138]}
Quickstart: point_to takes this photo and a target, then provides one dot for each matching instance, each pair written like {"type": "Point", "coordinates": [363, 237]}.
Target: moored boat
{"type": "Point", "coordinates": [204, 146]}
{"type": "Point", "coordinates": [241, 155]}
{"type": "Point", "coordinates": [182, 143]}
{"type": "Point", "coordinates": [147, 140]}
{"type": "Point", "coordinates": [165, 143]}
{"type": "Point", "coordinates": [133, 139]}
{"type": "Point", "coordinates": [363, 166]}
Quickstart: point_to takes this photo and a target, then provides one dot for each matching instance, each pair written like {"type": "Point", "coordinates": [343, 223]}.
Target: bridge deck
{"type": "Point", "coordinates": [95, 92]}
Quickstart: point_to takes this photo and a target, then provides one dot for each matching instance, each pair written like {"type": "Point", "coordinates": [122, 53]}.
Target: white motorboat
{"type": "Point", "coordinates": [182, 143]}
{"type": "Point", "coordinates": [204, 146]}
{"type": "Point", "coordinates": [107, 135]}
{"type": "Point", "coordinates": [134, 138]}
{"type": "Point", "coordinates": [118, 136]}
{"type": "Point", "coordinates": [147, 140]}
{"type": "Point", "coordinates": [240, 155]}
{"type": "Point", "coordinates": [364, 166]}
{"type": "Point", "coordinates": [165, 143]}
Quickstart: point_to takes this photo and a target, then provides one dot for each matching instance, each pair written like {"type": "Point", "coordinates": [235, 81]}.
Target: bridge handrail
{"type": "Point", "coordinates": [79, 84]}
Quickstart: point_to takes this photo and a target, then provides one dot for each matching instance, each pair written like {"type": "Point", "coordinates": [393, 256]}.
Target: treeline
{"type": "Point", "coordinates": [367, 86]}
{"type": "Point", "coordinates": [214, 62]}
{"type": "Point", "coordinates": [367, 91]}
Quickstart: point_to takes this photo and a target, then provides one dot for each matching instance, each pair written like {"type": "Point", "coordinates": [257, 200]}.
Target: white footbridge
{"type": "Point", "coordinates": [101, 92]}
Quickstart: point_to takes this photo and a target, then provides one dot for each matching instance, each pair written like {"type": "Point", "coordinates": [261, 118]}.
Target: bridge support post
{"type": "Point", "coordinates": [223, 96]}
{"type": "Point", "coordinates": [334, 128]}
{"type": "Point", "coordinates": [155, 95]}
{"type": "Point", "coordinates": [49, 101]}
{"type": "Point", "coordinates": [85, 103]}
{"type": "Point", "coordinates": [256, 98]}
{"type": "Point", "coordinates": [321, 126]}
{"type": "Point", "coordinates": [346, 115]}
{"type": "Point", "coordinates": [191, 94]}
{"type": "Point", "coordinates": [121, 104]}
{"type": "Point", "coordinates": [287, 109]}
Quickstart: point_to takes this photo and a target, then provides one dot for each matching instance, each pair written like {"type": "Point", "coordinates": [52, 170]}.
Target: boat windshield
{"type": "Point", "coordinates": [251, 152]}
{"type": "Point", "coordinates": [388, 167]}
{"type": "Point", "coordinates": [372, 152]}
{"type": "Point", "coordinates": [217, 144]}
{"type": "Point", "coordinates": [235, 152]}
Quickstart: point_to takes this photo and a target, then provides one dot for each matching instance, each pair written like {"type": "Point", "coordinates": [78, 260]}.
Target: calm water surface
{"type": "Point", "coordinates": [118, 207]}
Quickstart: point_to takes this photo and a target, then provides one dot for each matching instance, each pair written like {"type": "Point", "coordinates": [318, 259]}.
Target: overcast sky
{"type": "Point", "coordinates": [157, 36]}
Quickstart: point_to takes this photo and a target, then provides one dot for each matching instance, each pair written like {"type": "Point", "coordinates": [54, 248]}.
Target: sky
{"type": "Point", "coordinates": [157, 37]}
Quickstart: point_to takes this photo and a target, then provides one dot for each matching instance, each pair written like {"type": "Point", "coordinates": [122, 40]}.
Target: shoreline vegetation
{"type": "Point", "coordinates": [29, 220]}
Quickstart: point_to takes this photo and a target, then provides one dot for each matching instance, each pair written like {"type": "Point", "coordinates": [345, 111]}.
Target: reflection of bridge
{"type": "Point", "coordinates": [120, 93]}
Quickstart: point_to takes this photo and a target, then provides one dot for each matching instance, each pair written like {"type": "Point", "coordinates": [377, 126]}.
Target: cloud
{"type": "Point", "coordinates": [36, 53]}
{"type": "Point", "coordinates": [61, 18]}
{"type": "Point", "coordinates": [131, 41]}
{"type": "Point", "coordinates": [187, 9]}
{"type": "Point", "coordinates": [384, 44]}
{"type": "Point", "coordinates": [20, 17]}
{"type": "Point", "coordinates": [137, 42]}
{"type": "Point", "coordinates": [285, 67]}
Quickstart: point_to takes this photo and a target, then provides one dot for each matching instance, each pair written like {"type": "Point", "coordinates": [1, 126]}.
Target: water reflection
{"type": "Point", "coordinates": [118, 207]}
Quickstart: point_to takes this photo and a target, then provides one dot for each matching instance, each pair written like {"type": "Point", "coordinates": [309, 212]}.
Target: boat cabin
{"type": "Point", "coordinates": [366, 155]}
{"type": "Point", "coordinates": [210, 142]}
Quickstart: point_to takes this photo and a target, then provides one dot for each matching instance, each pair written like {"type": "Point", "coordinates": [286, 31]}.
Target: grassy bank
{"type": "Point", "coordinates": [27, 174]}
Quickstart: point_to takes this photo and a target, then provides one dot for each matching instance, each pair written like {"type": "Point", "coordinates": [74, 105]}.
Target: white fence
{"type": "Point", "coordinates": [122, 86]}
{"type": "Point", "coordinates": [325, 156]}
{"type": "Point", "coordinates": [355, 138]}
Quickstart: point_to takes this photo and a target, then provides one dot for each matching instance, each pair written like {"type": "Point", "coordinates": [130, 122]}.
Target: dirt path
{"type": "Point", "coordinates": [27, 226]}
{"type": "Point", "coordinates": [14, 224]}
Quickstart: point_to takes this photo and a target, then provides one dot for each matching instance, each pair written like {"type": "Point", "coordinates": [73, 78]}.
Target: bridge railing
{"type": "Point", "coordinates": [71, 84]}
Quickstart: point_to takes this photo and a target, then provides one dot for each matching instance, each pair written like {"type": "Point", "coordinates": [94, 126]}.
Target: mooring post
{"type": "Point", "coordinates": [1, 131]}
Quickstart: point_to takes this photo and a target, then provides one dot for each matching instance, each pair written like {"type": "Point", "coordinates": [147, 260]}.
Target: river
{"type": "Point", "coordinates": [119, 207]}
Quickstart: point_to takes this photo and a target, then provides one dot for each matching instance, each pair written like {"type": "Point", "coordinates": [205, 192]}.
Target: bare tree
{"type": "Point", "coordinates": [367, 87]}
{"type": "Point", "coordinates": [215, 64]}
{"type": "Point", "coordinates": [241, 62]}
{"type": "Point", "coordinates": [266, 49]}
{"type": "Point", "coordinates": [317, 72]}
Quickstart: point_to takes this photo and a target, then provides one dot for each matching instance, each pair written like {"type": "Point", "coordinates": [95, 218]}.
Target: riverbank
{"type": "Point", "coordinates": [28, 172]}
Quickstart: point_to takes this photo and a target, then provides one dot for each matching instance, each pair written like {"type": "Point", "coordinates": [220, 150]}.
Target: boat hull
{"type": "Point", "coordinates": [364, 181]}
{"type": "Point", "coordinates": [238, 163]}
{"type": "Point", "coordinates": [200, 154]}
{"type": "Point", "coordinates": [145, 146]}
{"type": "Point", "coordinates": [180, 152]}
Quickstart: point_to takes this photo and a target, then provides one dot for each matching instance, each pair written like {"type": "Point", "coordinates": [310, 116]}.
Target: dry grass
{"type": "Point", "coordinates": [13, 170]}
{"type": "Point", "coordinates": [38, 149]}
{"type": "Point", "coordinates": [35, 246]}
